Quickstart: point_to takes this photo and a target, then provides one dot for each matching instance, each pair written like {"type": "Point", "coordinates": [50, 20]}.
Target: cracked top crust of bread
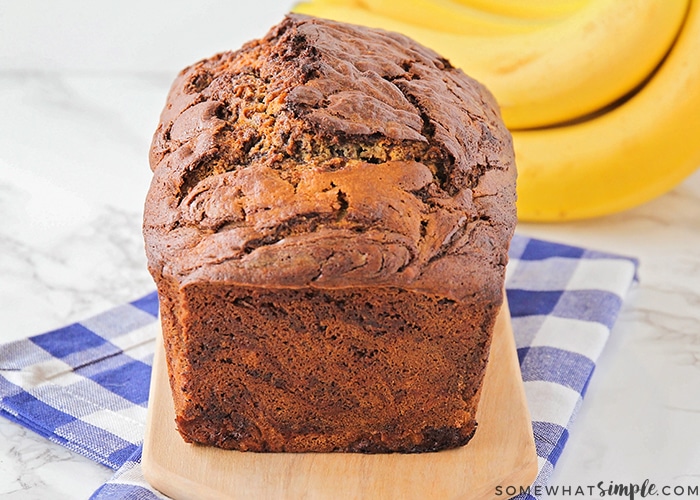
{"type": "Point", "coordinates": [329, 155]}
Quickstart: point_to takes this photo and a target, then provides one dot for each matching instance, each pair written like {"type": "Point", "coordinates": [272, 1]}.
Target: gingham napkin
{"type": "Point", "coordinates": [85, 386]}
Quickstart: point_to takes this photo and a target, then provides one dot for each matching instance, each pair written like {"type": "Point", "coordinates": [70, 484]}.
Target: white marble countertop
{"type": "Point", "coordinates": [81, 88]}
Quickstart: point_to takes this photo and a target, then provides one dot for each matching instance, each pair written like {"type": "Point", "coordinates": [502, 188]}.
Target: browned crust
{"type": "Point", "coordinates": [328, 160]}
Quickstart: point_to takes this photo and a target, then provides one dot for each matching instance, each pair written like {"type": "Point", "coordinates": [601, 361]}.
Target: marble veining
{"type": "Point", "coordinates": [69, 271]}
{"type": "Point", "coordinates": [642, 410]}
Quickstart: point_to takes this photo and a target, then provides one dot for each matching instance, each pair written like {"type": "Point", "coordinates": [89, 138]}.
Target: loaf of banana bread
{"type": "Point", "coordinates": [328, 226]}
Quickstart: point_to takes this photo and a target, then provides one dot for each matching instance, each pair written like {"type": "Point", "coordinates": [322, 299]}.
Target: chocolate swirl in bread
{"type": "Point", "coordinates": [328, 226]}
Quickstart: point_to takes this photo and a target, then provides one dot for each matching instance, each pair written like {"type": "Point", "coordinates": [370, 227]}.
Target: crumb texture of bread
{"type": "Point", "coordinates": [328, 226]}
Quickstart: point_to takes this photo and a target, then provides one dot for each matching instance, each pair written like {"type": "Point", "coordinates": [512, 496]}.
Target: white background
{"type": "Point", "coordinates": [131, 35]}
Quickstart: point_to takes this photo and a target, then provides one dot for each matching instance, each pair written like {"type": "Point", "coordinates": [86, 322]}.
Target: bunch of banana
{"type": "Point", "coordinates": [602, 96]}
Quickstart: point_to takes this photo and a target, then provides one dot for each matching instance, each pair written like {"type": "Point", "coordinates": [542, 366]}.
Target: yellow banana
{"type": "Point", "coordinates": [350, 3]}
{"type": "Point", "coordinates": [535, 9]}
{"type": "Point", "coordinates": [581, 64]}
{"type": "Point", "coordinates": [555, 74]}
{"type": "Point", "coordinates": [470, 21]}
{"type": "Point", "coordinates": [450, 17]}
{"type": "Point", "coordinates": [624, 157]}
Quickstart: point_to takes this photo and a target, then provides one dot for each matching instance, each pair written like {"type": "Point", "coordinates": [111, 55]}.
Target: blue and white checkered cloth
{"type": "Point", "coordinates": [85, 386]}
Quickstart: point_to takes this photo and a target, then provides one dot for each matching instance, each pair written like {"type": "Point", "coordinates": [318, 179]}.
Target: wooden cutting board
{"type": "Point", "coordinates": [502, 452]}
